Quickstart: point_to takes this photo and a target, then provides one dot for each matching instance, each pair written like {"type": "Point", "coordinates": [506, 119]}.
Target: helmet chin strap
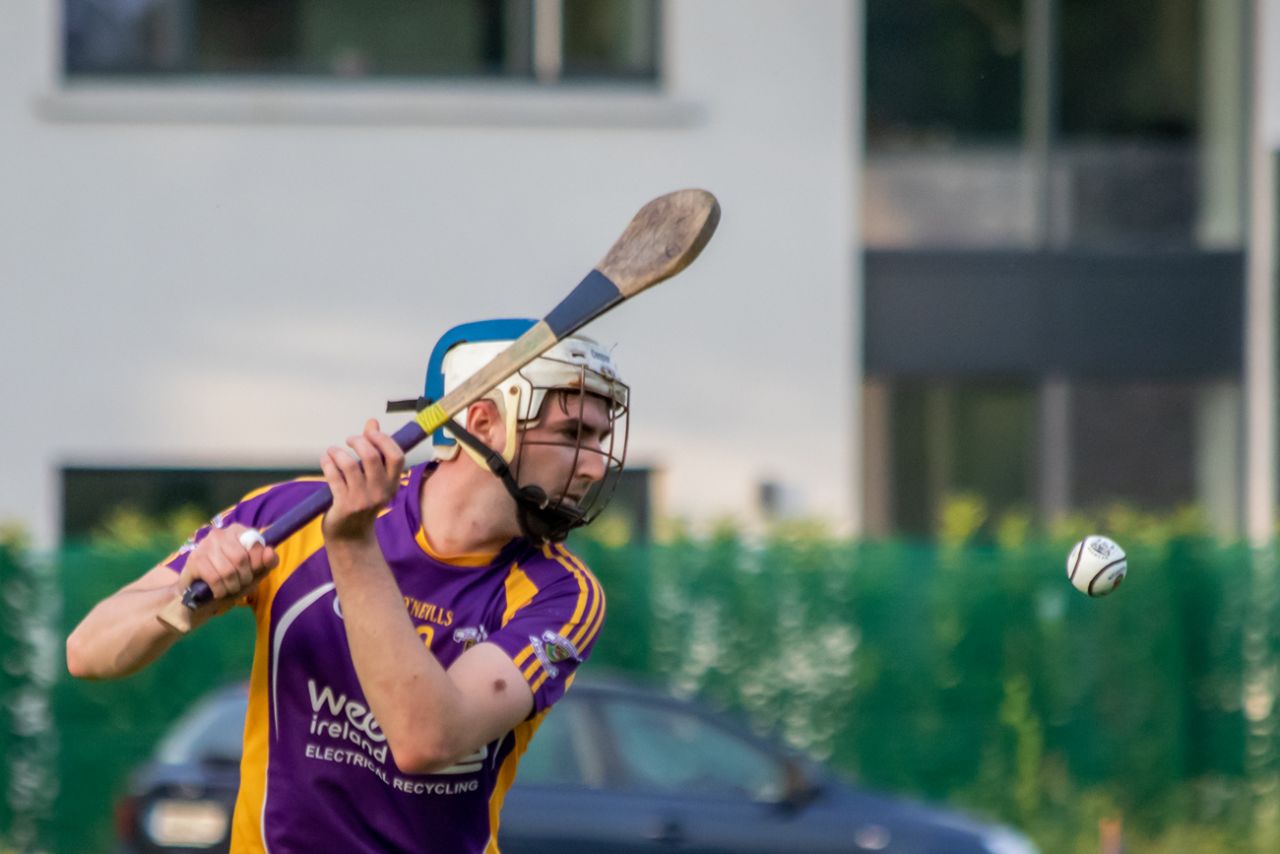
{"type": "Point", "coordinates": [540, 520]}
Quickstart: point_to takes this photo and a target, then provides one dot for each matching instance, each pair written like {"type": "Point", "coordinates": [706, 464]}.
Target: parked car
{"type": "Point", "coordinates": [616, 768]}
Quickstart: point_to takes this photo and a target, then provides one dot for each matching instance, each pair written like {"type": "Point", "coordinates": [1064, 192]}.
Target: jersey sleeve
{"type": "Point", "coordinates": [258, 509]}
{"type": "Point", "coordinates": [550, 629]}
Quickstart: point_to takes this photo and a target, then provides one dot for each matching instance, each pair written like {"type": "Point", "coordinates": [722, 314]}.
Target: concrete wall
{"type": "Point", "coordinates": [239, 274]}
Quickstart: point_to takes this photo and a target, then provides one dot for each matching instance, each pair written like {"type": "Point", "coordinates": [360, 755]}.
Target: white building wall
{"type": "Point", "coordinates": [1266, 21]}
{"type": "Point", "coordinates": [239, 275]}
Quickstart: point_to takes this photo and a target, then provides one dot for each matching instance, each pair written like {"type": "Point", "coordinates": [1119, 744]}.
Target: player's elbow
{"type": "Point", "coordinates": [79, 662]}
{"type": "Point", "coordinates": [424, 755]}
{"type": "Point", "coordinates": [418, 764]}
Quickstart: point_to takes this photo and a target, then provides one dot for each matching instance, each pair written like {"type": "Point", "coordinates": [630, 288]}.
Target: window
{"type": "Point", "coordinates": [942, 71]}
{"type": "Point", "coordinates": [663, 749]}
{"type": "Point", "coordinates": [1122, 458]}
{"type": "Point", "coordinates": [604, 39]}
{"type": "Point", "coordinates": [210, 732]}
{"type": "Point", "coordinates": [1118, 155]}
{"type": "Point", "coordinates": [466, 39]}
{"type": "Point", "coordinates": [92, 496]}
{"type": "Point", "coordinates": [562, 753]}
{"type": "Point", "coordinates": [1130, 70]}
{"type": "Point", "coordinates": [952, 438]}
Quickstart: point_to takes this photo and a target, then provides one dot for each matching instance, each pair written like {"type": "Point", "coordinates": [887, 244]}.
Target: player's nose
{"type": "Point", "coordinates": [591, 465]}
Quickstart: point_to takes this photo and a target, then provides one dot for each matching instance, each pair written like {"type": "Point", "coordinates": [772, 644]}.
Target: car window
{"type": "Point", "coordinates": [666, 749]}
{"type": "Point", "coordinates": [561, 753]}
{"type": "Point", "coordinates": [212, 731]}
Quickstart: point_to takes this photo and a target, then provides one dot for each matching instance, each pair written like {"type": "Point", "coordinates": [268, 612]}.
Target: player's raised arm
{"type": "Point", "coordinates": [121, 634]}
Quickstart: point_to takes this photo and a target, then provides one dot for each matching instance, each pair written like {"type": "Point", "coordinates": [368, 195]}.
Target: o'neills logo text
{"type": "Point", "coordinates": [428, 611]}
{"type": "Point", "coordinates": [341, 718]}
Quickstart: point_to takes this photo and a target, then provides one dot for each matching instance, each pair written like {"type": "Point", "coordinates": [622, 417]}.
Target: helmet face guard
{"type": "Point", "coordinates": [570, 382]}
{"type": "Point", "coordinates": [558, 513]}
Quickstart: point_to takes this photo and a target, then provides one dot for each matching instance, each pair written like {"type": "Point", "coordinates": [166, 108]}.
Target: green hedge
{"type": "Point", "coordinates": [979, 676]}
{"type": "Point", "coordinates": [974, 675]}
{"type": "Point", "coordinates": [108, 728]}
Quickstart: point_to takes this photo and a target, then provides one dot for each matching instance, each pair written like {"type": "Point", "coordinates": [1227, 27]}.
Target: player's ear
{"type": "Point", "coordinates": [484, 421]}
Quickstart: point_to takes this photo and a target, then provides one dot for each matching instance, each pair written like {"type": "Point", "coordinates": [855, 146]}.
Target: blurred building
{"type": "Point", "coordinates": [980, 246]}
{"type": "Point", "coordinates": [1054, 213]}
{"type": "Point", "coordinates": [231, 230]}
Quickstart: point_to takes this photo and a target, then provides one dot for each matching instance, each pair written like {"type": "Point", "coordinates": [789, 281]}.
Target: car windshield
{"type": "Point", "coordinates": [210, 732]}
{"type": "Point", "coordinates": [665, 749]}
{"type": "Point", "coordinates": [555, 756]}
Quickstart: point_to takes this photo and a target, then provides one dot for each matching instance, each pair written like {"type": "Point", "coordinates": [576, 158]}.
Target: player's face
{"type": "Point", "coordinates": [568, 450]}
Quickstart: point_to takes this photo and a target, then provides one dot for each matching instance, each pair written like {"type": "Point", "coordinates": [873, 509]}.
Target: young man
{"type": "Point", "coordinates": [410, 641]}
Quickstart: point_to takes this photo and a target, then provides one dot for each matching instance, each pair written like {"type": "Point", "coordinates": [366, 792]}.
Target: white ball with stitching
{"type": "Point", "coordinates": [1096, 565]}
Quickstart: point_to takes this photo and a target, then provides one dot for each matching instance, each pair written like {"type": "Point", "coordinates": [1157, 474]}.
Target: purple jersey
{"type": "Point", "coordinates": [317, 774]}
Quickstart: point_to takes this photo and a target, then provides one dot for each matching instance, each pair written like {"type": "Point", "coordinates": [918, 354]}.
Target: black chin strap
{"type": "Point", "coordinates": [540, 520]}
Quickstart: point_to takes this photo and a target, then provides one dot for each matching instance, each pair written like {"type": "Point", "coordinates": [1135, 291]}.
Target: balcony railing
{"type": "Point", "coordinates": [1099, 196]}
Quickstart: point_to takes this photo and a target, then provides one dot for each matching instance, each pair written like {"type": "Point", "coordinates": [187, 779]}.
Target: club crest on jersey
{"type": "Point", "coordinates": [552, 648]}
{"type": "Point", "coordinates": [469, 636]}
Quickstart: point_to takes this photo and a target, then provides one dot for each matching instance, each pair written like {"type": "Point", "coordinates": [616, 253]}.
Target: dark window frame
{"type": "Point", "coordinates": [158, 45]}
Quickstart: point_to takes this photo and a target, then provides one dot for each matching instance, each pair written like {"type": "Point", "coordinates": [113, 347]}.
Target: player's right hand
{"type": "Point", "coordinates": [229, 569]}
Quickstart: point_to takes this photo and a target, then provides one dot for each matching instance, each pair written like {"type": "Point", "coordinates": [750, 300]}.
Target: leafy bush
{"type": "Point", "coordinates": [967, 671]}
{"type": "Point", "coordinates": [976, 674]}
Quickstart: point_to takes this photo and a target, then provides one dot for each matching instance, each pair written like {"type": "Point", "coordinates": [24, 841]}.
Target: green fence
{"type": "Point", "coordinates": [975, 676]}
{"type": "Point", "coordinates": [981, 677]}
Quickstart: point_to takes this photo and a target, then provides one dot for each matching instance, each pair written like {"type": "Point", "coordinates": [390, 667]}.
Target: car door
{"type": "Point", "coordinates": [702, 785]}
{"type": "Point", "coordinates": [633, 774]}
{"type": "Point", "coordinates": [561, 802]}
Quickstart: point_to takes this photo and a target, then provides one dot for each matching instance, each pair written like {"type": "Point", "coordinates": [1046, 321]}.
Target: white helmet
{"type": "Point", "coordinates": [577, 363]}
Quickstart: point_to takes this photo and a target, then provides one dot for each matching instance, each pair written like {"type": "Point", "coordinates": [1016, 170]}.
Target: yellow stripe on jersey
{"type": "Point", "coordinates": [568, 681]}
{"type": "Point", "coordinates": [525, 653]}
{"type": "Point", "coordinates": [507, 774]}
{"type": "Point", "coordinates": [584, 593]}
{"type": "Point", "coordinates": [248, 497]}
{"type": "Point", "coordinates": [595, 619]}
{"type": "Point", "coordinates": [586, 628]}
{"type": "Point", "coordinates": [246, 827]}
{"type": "Point", "coordinates": [520, 591]}
{"type": "Point", "coordinates": [252, 495]}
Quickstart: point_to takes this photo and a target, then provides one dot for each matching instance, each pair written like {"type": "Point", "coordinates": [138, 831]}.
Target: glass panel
{"type": "Point", "coordinates": [212, 731]}
{"type": "Point", "coordinates": [667, 750]}
{"type": "Point", "coordinates": [1140, 194]}
{"type": "Point", "coordinates": [953, 438]}
{"type": "Point", "coordinates": [315, 37]}
{"type": "Point", "coordinates": [946, 162]}
{"type": "Point", "coordinates": [167, 502]}
{"type": "Point", "coordinates": [941, 71]}
{"type": "Point", "coordinates": [610, 38]}
{"type": "Point", "coordinates": [995, 443]}
{"type": "Point", "coordinates": [1129, 69]}
{"type": "Point", "coordinates": [972, 198]}
{"type": "Point", "coordinates": [1106, 195]}
{"type": "Point", "coordinates": [1142, 453]}
{"type": "Point", "coordinates": [552, 758]}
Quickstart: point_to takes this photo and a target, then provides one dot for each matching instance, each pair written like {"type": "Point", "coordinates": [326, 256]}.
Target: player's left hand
{"type": "Point", "coordinates": [363, 480]}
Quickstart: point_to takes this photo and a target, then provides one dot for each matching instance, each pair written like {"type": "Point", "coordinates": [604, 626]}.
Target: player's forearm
{"type": "Point", "coordinates": [121, 635]}
{"type": "Point", "coordinates": [415, 702]}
